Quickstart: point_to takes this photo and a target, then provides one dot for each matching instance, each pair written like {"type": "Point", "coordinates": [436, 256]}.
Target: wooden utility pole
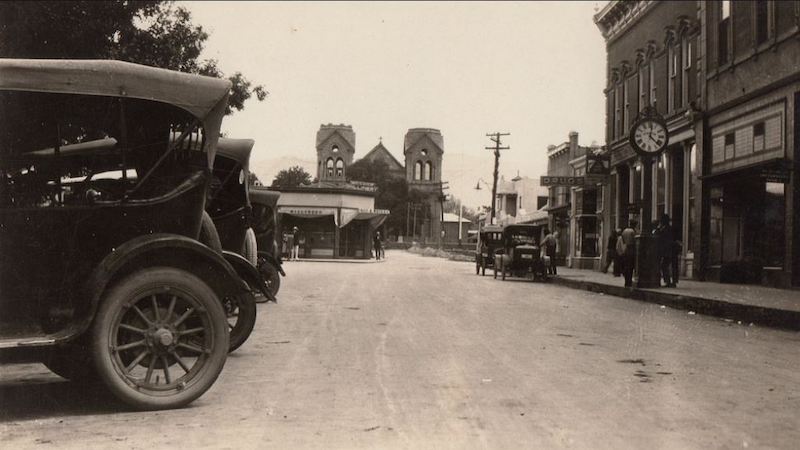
{"type": "Point", "coordinates": [495, 137]}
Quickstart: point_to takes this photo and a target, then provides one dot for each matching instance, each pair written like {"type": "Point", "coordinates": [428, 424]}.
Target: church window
{"type": "Point", "coordinates": [339, 167]}
{"type": "Point", "coordinates": [329, 167]}
{"type": "Point", "coordinates": [335, 149]}
{"type": "Point", "coordinates": [424, 152]}
{"type": "Point", "coordinates": [418, 170]}
{"type": "Point", "coordinates": [428, 171]}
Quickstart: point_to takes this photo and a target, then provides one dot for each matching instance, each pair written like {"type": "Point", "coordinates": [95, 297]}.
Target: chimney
{"type": "Point", "coordinates": [573, 144]}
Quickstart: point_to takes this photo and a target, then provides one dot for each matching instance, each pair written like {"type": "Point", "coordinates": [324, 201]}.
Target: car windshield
{"type": "Point", "coordinates": [54, 147]}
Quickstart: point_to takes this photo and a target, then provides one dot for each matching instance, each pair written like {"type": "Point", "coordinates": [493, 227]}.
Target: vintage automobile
{"type": "Point", "coordinates": [521, 255]}
{"type": "Point", "coordinates": [490, 238]}
{"type": "Point", "coordinates": [265, 225]}
{"type": "Point", "coordinates": [103, 277]}
{"type": "Point", "coordinates": [227, 228]}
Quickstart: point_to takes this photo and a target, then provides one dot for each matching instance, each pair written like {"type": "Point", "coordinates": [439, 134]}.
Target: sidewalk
{"type": "Point", "coordinates": [747, 303]}
{"type": "Point", "coordinates": [336, 260]}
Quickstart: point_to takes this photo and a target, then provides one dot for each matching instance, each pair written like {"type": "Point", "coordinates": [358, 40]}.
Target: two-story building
{"type": "Point", "coordinates": [749, 189]}
{"type": "Point", "coordinates": [726, 77]}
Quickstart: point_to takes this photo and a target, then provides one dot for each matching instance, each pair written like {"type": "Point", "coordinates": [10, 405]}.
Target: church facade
{"type": "Point", "coordinates": [423, 151]}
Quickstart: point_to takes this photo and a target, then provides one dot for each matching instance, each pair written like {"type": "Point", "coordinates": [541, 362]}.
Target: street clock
{"type": "Point", "coordinates": [648, 134]}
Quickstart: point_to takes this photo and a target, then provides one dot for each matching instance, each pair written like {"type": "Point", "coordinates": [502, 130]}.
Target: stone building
{"type": "Point", "coordinates": [726, 78]}
{"type": "Point", "coordinates": [423, 149]}
{"type": "Point", "coordinates": [336, 145]}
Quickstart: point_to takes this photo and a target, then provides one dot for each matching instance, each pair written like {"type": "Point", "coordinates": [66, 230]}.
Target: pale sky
{"type": "Point", "coordinates": [534, 69]}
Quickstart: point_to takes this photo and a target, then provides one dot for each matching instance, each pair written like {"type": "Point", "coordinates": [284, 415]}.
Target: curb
{"type": "Point", "coordinates": [771, 317]}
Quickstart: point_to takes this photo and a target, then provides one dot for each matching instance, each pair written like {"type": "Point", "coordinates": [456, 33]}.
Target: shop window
{"type": "Point", "coordinates": [724, 32]}
{"type": "Point", "coordinates": [762, 21]}
{"type": "Point", "coordinates": [329, 167]}
{"type": "Point", "coordinates": [758, 136]}
{"type": "Point", "coordinates": [774, 231]}
{"type": "Point", "coordinates": [715, 230]}
{"type": "Point", "coordinates": [339, 168]}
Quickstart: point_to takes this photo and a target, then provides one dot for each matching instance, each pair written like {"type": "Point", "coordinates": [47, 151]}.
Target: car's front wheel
{"type": "Point", "coordinates": [160, 338]}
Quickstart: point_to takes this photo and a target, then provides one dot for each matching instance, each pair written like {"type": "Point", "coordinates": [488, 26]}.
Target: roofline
{"type": "Point", "coordinates": [374, 149]}
{"type": "Point", "coordinates": [326, 190]}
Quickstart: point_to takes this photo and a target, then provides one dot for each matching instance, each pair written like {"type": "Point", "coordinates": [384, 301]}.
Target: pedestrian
{"type": "Point", "coordinates": [378, 245]}
{"type": "Point", "coordinates": [295, 244]}
{"type": "Point", "coordinates": [665, 243]}
{"type": "Point", "coordinates": [611, 251]}
{"type": "Point", "coordinates": [550, 244]}
{"type": "Point", "coordinates": [626, 246]}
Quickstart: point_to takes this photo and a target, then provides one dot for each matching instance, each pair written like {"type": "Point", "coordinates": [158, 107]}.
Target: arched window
{"type": "Point", "coordinates": [339, 168]}
{"type": "Point", "coordinates": [335, 149]}
{"type": "Point", "coordinates": [329, 167]}
{"type": "Point", "coordinates": [418, 170]}
{"type": "Point", "coordinates": [424, 152]}
{"type": "Point", "coordinates": [428, 171]}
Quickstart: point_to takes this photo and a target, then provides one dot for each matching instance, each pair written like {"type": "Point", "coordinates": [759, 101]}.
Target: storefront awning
{"type": "Point", "coordinates": [375, 216]}
{"type": "Point", "coordinates": [309, 213]}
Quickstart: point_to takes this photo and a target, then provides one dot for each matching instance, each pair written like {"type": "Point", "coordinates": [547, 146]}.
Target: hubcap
{"type": "Point", "coordinates": [164, 337]}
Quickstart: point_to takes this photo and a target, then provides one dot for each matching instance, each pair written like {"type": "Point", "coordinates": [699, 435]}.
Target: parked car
{"type": "Point", "coordinates": [521, 254]}
{"type": "Point", "coordinates": [265, 226]}
{"type": "Point", "coordinates": [490, 238]}
{"type": "Point", "coordinates": [227, 228]}
{"type": "Point", "coordinates": [103, 277]}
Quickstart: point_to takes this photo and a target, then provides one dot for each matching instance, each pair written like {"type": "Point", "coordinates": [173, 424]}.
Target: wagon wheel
{"type": "Point", "coordinates": [241, 314]}
{"type": "Point", "coordinates": [160, 338]}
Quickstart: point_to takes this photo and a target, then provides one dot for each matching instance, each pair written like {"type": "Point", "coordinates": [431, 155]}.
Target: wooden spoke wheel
{"type": "Point", "coordinates": [160, 338]}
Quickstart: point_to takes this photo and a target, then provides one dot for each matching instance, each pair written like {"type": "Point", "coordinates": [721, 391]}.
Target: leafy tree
{"type": "Point", "coordinates": [154, 33]}
{"type": "Point", "coordinates": [292, 177]}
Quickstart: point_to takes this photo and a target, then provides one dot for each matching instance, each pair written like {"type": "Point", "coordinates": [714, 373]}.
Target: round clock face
{"type": "Point", "coordinates": [650, 136]}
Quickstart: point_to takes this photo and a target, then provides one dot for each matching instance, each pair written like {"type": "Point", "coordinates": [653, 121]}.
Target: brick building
{"type": "Point", "coordinates": [749, 186]}
{"type": "Point", "coordinates": [725, 77]}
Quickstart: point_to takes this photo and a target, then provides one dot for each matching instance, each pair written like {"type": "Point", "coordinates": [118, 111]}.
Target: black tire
{"type": "Point", "coordinates": [271, 276]}
{"type": "Point", "coordinates": [250, 247]}
{"type": "Point", "coordinates": [241, 314]}
{"type": "Point", "coordinates": [129, 327]}
{"type": "Point", "coordinates": [73, 362]}
{"type": "Point", "coordinates": [208, 234]}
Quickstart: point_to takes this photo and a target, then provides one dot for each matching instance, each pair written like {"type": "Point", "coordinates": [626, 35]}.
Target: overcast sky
{"type": "Point", "coordinates": [534, 69]}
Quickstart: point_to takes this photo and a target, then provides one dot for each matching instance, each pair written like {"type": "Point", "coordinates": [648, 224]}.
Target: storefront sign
{"type": "Point", "coordinates": [776, 174]}
{"type": "Point", "coordinates": [597, 164]}
{"type": "Point", "coordinates": [562, 181]}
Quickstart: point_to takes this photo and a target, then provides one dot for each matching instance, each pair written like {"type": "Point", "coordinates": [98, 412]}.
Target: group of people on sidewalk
{"type": "Point", "coordinates": [622, 252]}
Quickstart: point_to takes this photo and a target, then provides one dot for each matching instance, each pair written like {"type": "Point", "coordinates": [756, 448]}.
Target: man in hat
{"type": "Point", "coordinates": [295, 244]}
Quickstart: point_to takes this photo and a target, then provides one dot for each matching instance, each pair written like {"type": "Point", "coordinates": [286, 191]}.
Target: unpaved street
{"type": "Point", "coordinates": [421, 353]}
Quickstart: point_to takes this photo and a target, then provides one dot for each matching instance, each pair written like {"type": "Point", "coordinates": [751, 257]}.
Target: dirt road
{"type": "Point", "coordinates": [421, 353]}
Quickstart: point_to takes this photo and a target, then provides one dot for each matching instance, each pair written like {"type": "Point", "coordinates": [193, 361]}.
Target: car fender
{"type": "Point", "coordinates": [248, 272]}
{"type": "Point", "coordinates": [160, 249]}
{"type": "Point", "coordinates": [274, 261]}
